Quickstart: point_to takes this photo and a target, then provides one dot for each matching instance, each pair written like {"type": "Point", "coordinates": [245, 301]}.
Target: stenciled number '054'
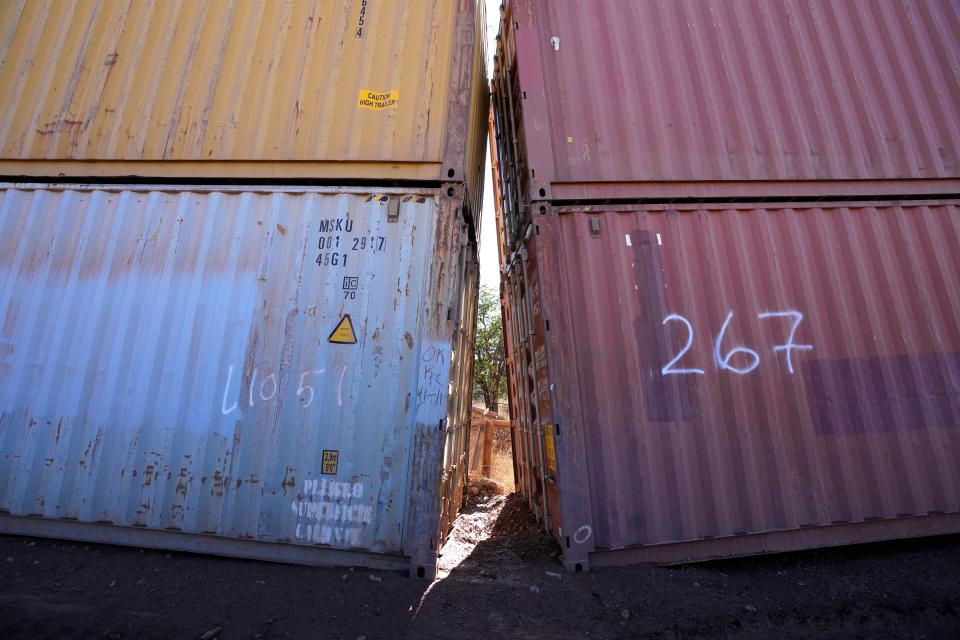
{"type": "Point", "coordinates": [724, 360]}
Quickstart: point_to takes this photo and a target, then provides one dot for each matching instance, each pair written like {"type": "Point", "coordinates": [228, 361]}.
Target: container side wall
{"type": "Point", "coordinates": [479, 101]}
{"type": "Point", "coordinates": [662, 91]}
{"type": "Point", "coordinates": [172, 360]}
{"type": "Point", "coordinates": [465, 145]}
{"type": "Point", "coordinates": [728, 370]}
{"type": "Point", "coordinates": [440, 422]}
{"type": "Point", "coordinates": [456, 457]}
{"type": "Point", "coordinates": [227, 81]}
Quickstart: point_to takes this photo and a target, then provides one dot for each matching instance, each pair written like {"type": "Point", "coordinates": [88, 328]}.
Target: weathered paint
{"type": "Point", "coordinates": [702, 92]}
{"type": "Point", "coordinates": [738, 378]}
{"type": "Point", "coordinates": [166, 364]}
{"type": "Point", "coordinates": [230, 88]}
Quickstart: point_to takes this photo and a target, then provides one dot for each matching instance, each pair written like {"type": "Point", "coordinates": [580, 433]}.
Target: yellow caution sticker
{"type": "Point", "coordinates": [377, 100]}
{"type": "Point", "coordinates": [343, 333]}
{"type": "Point", "coordinates": [551, 452]}
{"type": "Point", "coordinates": [331, 459]}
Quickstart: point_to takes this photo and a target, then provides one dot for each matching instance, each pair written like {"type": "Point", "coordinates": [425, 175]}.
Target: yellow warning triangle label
{"type": "Point", "coordinates": [343, 333]}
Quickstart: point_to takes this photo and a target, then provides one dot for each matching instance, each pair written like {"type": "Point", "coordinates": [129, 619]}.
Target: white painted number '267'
{"type": "Point", "coordinates": [724, 361]}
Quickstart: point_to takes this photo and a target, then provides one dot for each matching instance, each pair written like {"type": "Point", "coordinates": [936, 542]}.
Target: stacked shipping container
{"type": "Point", "coordinates": [731, 237]}
{"type": "Point", "coordinates": [238, 277]}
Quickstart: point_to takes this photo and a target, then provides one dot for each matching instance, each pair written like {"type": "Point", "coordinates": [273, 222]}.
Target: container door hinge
{"type": "Point", "coordinates": [556, 429]}
{"type": "Point", "coordinates": [393, 210]}
{"type": "Point", "coordinates": [443, 423]}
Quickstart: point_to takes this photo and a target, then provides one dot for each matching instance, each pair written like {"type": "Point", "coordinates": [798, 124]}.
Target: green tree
{"type": "Point", "coordinates": [489, 365]}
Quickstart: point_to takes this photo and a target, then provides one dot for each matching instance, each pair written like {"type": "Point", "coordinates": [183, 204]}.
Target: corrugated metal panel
{"type": "Point", "coordinates": [845, 409]}
{"type": "Point", "coordinates": [479, 101]}
{"type": "Point", "coordinates": [718, 90]}
{"type": "Point", "coordinates": [497, 197]}
{"type": "Point", "coordinates": [230, 81]}
{"type": "Point", "coordinates": [166, 361]}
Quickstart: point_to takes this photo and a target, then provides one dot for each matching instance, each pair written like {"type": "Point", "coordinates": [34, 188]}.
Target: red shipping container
{"type": "Point", "coordinates": [694, 381]}
{"type": "Point", "coordinates": [728, 98]}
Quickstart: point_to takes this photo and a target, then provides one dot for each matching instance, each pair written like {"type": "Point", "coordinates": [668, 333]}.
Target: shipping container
{"type": "Point", "coordinates": [731, 99]}
{"type": "Point", "coordinates": [702, 380]}
{"type": "Point", "coordinates": [274, 373]}
{"type": "Point", "coordinates": [340, 91]}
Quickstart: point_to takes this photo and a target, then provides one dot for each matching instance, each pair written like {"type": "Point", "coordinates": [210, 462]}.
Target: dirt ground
{"type": "Point", "coordinates": [501, 468]}
{"type": "Point", "coordinates": [500, 579]}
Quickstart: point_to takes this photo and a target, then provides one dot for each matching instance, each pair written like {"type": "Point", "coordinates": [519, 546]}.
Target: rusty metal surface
{"type": "Point", "coordinates": [474, 107]}
{"type": "Point", "coordinates": [845, 409]}
{"type": "Point", "coordinates": [729, 90]}
{"type": "Point", "coordinates": [167, 364]}
{"type": "Point", "coordinates": [442, 419]}
{"type": "Point", "coordinates": [230, 88]}
{"type": "Point", "coordinates": [497, 195]}
{"type": "Point", "coordinates": [782, 541]}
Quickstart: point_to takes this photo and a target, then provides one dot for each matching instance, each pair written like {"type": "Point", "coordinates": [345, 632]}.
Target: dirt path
{"type": "Point", "coordinates": [500, 581]}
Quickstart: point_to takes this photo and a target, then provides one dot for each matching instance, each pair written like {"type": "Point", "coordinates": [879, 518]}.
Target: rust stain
{"type": "Point", "coordinates": [408, 339]}
{"type": "Point", "coordinates": [220, 482]}
{"type": "Point", "coordinates": [289, 480]}
{"type": "Point", "coordinates": [60, 126]}
{"type": "Point", "coordinates": [181, 488]}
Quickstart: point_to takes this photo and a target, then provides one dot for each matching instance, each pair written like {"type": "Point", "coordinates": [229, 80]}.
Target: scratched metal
{"type": "Point", "coordinates": [165, 361]}
{"type": "Point", "coordinates": [670, 431]}
{"type": "Point", "coordinates": [238, 87]}
{"type": "Point", "coordinates": [613, 91]}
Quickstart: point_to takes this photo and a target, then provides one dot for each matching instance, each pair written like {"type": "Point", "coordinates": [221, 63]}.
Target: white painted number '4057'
{"type": "Point", "coordinates": [724, 360]}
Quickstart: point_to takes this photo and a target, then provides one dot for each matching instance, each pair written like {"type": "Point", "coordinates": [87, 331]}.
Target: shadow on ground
{"type": "Point", "coordinates": [511, 586]}
{"type": "Point", "coordinates": [507, 585]}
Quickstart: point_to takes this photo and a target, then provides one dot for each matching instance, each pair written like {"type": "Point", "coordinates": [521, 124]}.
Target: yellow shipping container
{"type": "Point", "coordinates": [264, 89]}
